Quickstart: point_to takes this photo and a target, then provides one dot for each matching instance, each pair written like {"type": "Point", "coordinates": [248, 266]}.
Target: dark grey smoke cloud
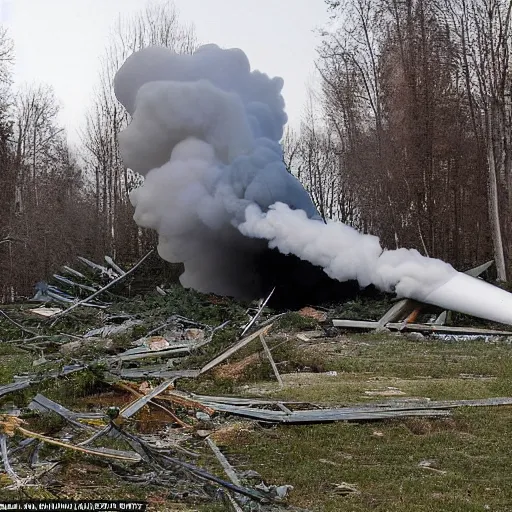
{"type": "Point", "coordinates": [205, 134]}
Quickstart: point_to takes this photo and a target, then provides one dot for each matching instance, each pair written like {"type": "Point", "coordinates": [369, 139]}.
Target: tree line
{"type": "Point", "coordinates": [409, 134]}
{"type": "Point", "coordinates": [407, 137]}
{"type": "Point", "coordinates": [57, 202]}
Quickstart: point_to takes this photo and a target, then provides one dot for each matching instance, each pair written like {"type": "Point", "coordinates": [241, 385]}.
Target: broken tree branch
{"type": "Point", "coordinates": [9, 425]}
{"type": "Point", "coordinates": [184, 401]}
{"type": "Point", "coordinates": [102, 452]}
{"type": "Point", "coordinates": [19, 326]}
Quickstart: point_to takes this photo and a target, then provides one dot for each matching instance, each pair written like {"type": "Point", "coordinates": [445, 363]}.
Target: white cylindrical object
{"type": "Point", "coordinates": [472, 296]}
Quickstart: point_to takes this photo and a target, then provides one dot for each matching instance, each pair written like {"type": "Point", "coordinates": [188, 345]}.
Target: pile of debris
{"type": "Point", "coordinates": [147, 370]}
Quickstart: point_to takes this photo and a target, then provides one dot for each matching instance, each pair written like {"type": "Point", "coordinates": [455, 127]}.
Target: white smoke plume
{"type": "Point", "coordinates": [346, 254]}
{"type": "Point", "coordinates": [205, 133]}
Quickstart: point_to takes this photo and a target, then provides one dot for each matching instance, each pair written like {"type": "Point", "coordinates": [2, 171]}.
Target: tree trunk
{"type": "Point", "coordinates": [494, 215]}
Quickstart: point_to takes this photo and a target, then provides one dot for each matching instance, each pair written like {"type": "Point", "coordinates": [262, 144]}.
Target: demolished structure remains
{"type": "Point", "coordinates": [150, 458]}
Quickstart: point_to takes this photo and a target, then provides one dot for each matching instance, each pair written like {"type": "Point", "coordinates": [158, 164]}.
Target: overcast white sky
{"type": "Point", "coordinates": [59, 42]}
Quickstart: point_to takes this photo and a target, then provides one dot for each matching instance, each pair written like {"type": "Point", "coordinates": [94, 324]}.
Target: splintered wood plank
{"type": "Point", "coordinates": [235, 348]}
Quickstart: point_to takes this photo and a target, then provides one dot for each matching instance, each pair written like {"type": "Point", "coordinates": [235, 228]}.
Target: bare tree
{"type": "Point", "coordinates": [313, 157]}
{"type": "Point", "coordinates": [6, 56]}
{"type": "Point", "coordinates": [157, 24]}
{"type": "Point", "coordinates": [37, 136]}
{"type": "Point", "coordinates": [394, 94]}
{"type": "Point", "coordinates": [46, 196]}
{"type": "Point", "coordinates": [484, 29]}
{"type": "Point", "coordinates": [290, 144]}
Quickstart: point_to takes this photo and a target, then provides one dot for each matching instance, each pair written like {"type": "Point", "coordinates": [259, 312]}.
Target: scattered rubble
{"type": "Point", "coordinates": [431, 465]}
{"type": "Point", "coordinates": [46, 312]}
{"type": "Point", "coordinates": [309, 312]}
{"type": "Point", "coordinates": [160, 353]}
{"type": "Point", "coordinates": [344, 489]}
{"type": "Point", "coordinates": [113, 329]}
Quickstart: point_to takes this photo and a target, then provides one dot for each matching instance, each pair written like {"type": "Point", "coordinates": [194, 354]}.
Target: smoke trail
{"type": "Point", "coordinates": [346, 254]}
{"type": "Point", "coordinates": [205, 133]}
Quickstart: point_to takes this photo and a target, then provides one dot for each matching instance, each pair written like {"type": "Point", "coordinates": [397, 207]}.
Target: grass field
{"type": "Point", "coordinates": [451, 464]}
{"type": "Point", "coordinates": [457, 463]}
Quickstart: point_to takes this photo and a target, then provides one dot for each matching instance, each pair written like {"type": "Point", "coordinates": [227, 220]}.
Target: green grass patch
{"type": "Point", "coordinates": [467, 452]}
{"type": "Point", "coordinates": [13, 361]}
{"type": "Point", "coordinates": [470, 463]}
